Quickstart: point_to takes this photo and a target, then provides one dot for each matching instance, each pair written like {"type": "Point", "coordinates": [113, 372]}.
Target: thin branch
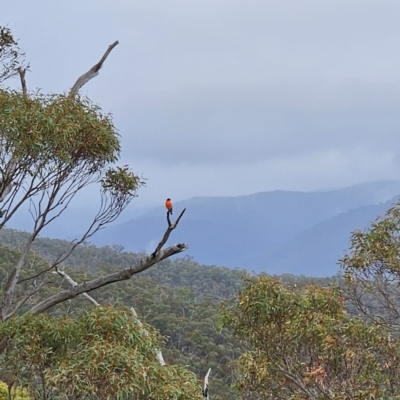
{"type": "Point", "coordinates": [14, 277]}
{"type": "Point", "coordinates": [93, 72]}
{"type": "Point", "coordinates": [36, 275]}
{"type": "Point", "coordinates": [24, 300]}
{"type": "Point", "coordinates": [297, 382]}
{"type": "Point", "coordinates": [159, 355]}
{"type": "Point", "coordinates": [170, 228]}
{"type": "Point", "coordinates": [168, 220]}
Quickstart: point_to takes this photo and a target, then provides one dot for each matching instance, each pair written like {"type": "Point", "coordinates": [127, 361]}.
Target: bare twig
{"type": "Point", "coordinates": [168, 220]}
{"type": "Point", "coordinates": [36, 275]}
{"type": "Point", "coordinates": [93, 72]}
{"type": "Point", "coordinates": [298, 382]}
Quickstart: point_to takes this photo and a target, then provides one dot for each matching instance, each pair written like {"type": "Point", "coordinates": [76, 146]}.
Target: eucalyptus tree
{"type": "Point", "coordinates": [303, 344]}
{"type": "Point", "coordinates": [52, 147]}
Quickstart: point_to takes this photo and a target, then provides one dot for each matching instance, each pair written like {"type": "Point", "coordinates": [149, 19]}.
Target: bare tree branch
{"type": "Point", "coordinates": [125, 274]}
{"type": "Point", "coordinates": [93, 72]}
{"type": "Point", "coordinates": [36, 275]}
{"type": "Point", "coordinates": [157, 256]}
{"type": "Point", "coordinates": [298, 382]}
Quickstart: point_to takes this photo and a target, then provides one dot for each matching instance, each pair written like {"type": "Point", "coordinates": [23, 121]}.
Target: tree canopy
{"type": "Point", "coordinates": [103, 353]}
{"type": "Point", "coordinates": [302, 344]}
{"type": "Point", "coordinates": [52, 147]}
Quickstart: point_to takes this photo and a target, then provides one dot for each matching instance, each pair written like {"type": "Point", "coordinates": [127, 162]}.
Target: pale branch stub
{"type": "Point", "coordinates": [205, 388]}
{"type": "Point", "coordinates": [22, 72]}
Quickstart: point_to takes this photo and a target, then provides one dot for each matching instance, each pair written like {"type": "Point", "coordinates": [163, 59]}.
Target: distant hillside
{"type": "Point", "coordinates": [316, 251]}
{"type": "Point", "coordinates": [276, 232]}
{"type": "Point", "coordinates": [252, 231]}
{"type": "Point", "coordinates": [180, 298]}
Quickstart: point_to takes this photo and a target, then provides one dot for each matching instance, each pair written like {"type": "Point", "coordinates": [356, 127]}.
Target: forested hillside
{"type": "Point", "coordinates": [273, 231]}
{"type": "Point", "coordinates": [180, 298]}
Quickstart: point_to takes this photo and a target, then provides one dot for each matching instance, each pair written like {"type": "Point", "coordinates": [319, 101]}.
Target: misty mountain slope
{"type": "Point", "coordinates": [317, 250]}
{"type": "Point", "coordinates": [214, 243]}
{"type": "Point", "coordinates": [235, 230]}
{"type": "Point", "coordinates": [279, 207]}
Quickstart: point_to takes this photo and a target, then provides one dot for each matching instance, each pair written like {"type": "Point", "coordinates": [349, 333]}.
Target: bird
{"type": "Point", "coordinates": [168, 204]}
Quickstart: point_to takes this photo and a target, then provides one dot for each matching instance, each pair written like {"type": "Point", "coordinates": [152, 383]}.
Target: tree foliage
{"type": "Point", "coordinates": [52, 147]}
{"type": "Point", "coordinates": [103, 353]}
{"type": "Point", "coordinates": [11, 55]}
{"type": "Point", "coordinates": [302, 344]}
{"type": "Point", "coordinates": [16, 393]}
{"type": "Point", "coordinates": [372, 271]}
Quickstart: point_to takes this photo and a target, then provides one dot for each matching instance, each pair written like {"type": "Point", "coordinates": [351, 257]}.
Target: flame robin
{"type": "Point", "coordinates": [168, 204]}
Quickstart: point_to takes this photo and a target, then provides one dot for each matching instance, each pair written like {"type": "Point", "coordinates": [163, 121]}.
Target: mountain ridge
{"type": "Point", "coordinates": [244, 231]}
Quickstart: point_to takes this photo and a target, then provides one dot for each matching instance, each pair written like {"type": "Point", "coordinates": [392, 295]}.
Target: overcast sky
{"type": "Point", "coordinates": [229, 97]}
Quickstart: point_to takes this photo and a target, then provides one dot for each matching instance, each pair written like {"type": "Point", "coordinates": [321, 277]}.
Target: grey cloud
{"type": "Point", "coordinates": [259, 123]}
{"type": "Point", "coordinates": [291, 94]}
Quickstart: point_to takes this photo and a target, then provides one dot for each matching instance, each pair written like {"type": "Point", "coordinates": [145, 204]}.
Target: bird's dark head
{"type": "Point", "coordinates": [168, 199]}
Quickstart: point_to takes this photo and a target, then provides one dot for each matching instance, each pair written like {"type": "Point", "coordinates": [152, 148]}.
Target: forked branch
{"type": "Point", "coordinates": [170, 228]}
